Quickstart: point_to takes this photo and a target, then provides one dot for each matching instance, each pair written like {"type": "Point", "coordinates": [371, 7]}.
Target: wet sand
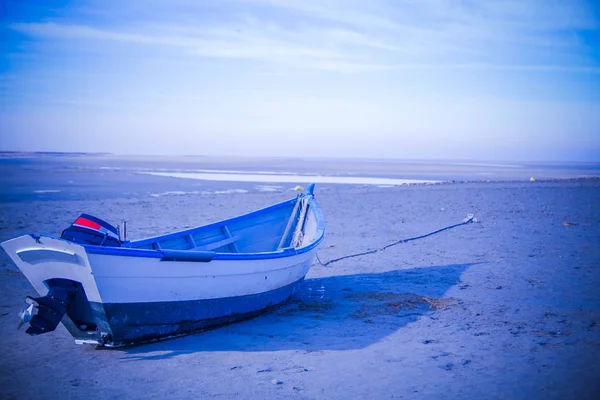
{"type": "Point", "coordinates": [508, 307]}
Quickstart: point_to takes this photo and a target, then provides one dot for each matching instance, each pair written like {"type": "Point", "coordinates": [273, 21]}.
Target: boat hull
{"type": "Point", "coordinates": [139, 299]}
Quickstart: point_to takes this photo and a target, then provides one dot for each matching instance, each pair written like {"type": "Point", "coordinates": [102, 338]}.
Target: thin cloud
{"type": "Point", "coordinates": [353, 36]}
{"type": "Point", "coordinates": [249, 44]}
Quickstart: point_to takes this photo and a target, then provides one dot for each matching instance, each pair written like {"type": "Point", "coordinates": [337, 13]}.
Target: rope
{"type": "Point", "coordinates": [298, 235]}
{"type": "Point", "coordinates": [288, 227]}
{"type": "Point", "coordinates": [470, 218]}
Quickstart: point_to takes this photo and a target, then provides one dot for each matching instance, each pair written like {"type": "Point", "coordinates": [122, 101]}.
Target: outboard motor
{"type": "Point", "coordinates": [88, 229]}
{"type": "Point", "coordinates": [43, 314]}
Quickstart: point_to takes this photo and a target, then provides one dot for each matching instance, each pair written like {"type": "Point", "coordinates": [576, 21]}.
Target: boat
{"type": "Point", "coordinates": [112, 292]}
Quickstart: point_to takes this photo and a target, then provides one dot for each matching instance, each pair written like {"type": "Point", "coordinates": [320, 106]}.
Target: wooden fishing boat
{"type": "Point", "coordinates": [111, 292]}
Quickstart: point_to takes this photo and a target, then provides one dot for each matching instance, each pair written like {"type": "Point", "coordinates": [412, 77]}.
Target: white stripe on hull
{"type": "Point", "coordinates": [142, 280]}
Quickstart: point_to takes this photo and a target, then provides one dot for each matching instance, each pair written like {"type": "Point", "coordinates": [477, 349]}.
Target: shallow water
{"type": "Point", "coordinates": [79, 177]}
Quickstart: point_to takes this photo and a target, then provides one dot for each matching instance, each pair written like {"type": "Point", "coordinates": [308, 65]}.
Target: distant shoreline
{"type": "Point", "coordinates": [48, 153]}
{"type": "Point", "coordinates": [383, 160]}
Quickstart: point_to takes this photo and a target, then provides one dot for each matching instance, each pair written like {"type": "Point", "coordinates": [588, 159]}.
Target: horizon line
{"type": "Point", "coordinates": [325, 158]}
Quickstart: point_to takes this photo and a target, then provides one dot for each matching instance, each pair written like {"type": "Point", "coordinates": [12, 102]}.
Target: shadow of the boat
{"type": "Point", "coordinates": [333, 313]}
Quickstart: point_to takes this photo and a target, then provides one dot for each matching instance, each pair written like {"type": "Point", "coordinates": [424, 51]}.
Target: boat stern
{"type": "Point", "coordinates": [60, 273]}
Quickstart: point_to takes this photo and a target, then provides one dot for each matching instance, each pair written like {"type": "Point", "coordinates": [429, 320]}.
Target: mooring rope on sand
{"type": "Point", "coordinates": [470, 218]}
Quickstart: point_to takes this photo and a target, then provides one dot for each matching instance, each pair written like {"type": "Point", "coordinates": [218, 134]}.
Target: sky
{"type": "Point", "coordinates": [409, 79]}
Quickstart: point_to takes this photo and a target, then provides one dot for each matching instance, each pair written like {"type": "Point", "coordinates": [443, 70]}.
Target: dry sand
{"type": "Point", "coordinates": [508, 307]}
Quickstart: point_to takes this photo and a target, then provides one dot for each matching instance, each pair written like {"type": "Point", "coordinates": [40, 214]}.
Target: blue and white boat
{"type": "Point", "coordinates": [112, 293]}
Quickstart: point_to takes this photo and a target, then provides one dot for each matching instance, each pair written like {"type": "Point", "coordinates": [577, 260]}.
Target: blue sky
{"type": "Point", "coordinates": [486, 80]}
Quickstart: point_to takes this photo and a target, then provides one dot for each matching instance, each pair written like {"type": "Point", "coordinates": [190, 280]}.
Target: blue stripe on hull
{"type": "Point", "coordinates": [133, 323]}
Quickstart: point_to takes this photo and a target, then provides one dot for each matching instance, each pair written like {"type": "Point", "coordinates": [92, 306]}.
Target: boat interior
{"type": "Point", "coordinates": [288, 224]}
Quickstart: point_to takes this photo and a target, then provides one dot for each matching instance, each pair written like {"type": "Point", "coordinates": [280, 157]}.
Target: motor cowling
{"type": "Point", "coordinates": [88, 229]}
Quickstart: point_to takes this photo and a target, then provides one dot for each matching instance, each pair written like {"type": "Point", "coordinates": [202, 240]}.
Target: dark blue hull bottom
{"type": "Point", "coordinates": [133, 323]}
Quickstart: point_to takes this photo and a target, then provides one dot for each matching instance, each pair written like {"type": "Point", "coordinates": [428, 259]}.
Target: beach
{"type": "Point", "coordinates": [505, 307]}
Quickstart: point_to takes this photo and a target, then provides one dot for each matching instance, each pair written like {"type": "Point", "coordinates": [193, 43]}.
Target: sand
{"type": "Point", "coordinates": [508, 307]}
